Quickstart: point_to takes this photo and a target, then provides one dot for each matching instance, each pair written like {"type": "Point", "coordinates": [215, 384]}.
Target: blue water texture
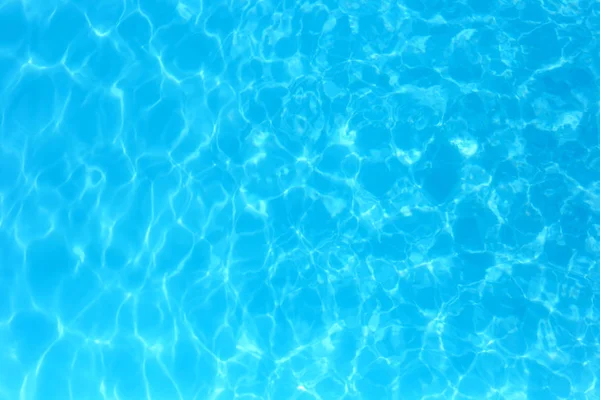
{"type": "Point", "coordinates": [311, 200]}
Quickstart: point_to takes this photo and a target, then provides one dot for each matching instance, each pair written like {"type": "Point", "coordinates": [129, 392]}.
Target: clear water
{"type": "Point", "coordinates": [299, 200]}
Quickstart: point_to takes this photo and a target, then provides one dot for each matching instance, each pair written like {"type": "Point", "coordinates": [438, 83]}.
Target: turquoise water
{"type": "Point", "coordinates": [299, 200]}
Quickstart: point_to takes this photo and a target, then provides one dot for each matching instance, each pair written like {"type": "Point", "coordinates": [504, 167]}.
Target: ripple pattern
{"type": "Point", "coordinates": [256, 199]}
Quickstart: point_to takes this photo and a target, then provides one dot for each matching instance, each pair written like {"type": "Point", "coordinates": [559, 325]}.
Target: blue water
{"type": "Point", "coordinates": [353, 199]}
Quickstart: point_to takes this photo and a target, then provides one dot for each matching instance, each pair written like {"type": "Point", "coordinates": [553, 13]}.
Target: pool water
{"type": "Point", "coordinates": [255, 199]}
